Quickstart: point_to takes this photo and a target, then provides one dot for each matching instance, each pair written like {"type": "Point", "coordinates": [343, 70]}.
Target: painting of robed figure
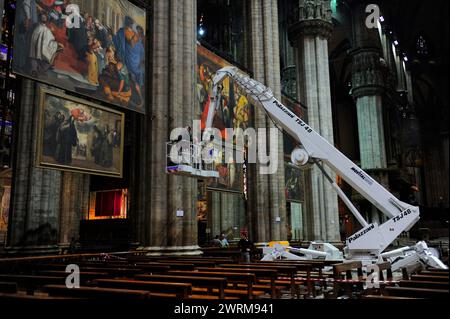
{"type": "Point", "coordinates": [79, 136]}
{"type": "Point", "coordinates": [94, 48]}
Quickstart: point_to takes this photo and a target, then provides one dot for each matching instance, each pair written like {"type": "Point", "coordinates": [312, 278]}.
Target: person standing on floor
{"type": "Point", "coordinates": [245, 245]}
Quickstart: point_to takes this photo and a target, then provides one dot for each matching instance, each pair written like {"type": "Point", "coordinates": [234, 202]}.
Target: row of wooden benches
{"type": "Point", "coordinates": [249, 281]}
{"type": "Point", "coordinates": [209, 278]}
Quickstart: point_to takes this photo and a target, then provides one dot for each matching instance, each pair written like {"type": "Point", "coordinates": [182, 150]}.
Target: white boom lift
{"type": "Point", "coordinates": [369, 243]}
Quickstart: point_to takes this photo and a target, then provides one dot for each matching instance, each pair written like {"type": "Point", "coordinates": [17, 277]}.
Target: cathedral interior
{"type": "Point", "coordinates": [374, 84]}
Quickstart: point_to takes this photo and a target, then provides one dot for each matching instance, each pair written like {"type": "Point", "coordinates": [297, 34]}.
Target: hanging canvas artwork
{"type": "Point", "coordinates": [233, 112]}
{"type": "Point", "coordinates": [95, 48]}
{"type": "Point", "coordinates": [79, 136]}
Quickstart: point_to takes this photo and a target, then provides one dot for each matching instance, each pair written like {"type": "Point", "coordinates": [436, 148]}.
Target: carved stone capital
{"type": "Point", "coordinates": [314, 18]}
{"type": "Point", "coordinates": [314, 27]}
{"type": "Point", "coordinates": [368, 72]}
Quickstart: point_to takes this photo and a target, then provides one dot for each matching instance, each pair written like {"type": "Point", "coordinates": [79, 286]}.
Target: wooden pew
{"type": "Point", "coordinates": [240, 278]}
{"type": "Point", "coordinates": [313, 261]}
{"type": "Point", "coordinates": [343, 279]}
{"type": "Point", "coordinates": [170, 265]}
{"type": "Point", "coordinates": [429, 278]}
{"type": "Point", "coordinates": [154, 268]}
{"type": "Point", "coordinates": [8, 287]}
{"type": "Point", "coordinates": [387, 298]}
{"type": "Point", "coordinates": [114, 271]}
{"type": "Point", "coordinates": [434, 273]}
{"type": "Point", "coordinates": [423, 284]}
{"type": "Point", "coordinates": [303, 269]}
{"type": "Point", "coordinates": [30, 283]}
{"type": "Point", "coordinates": [212, 259]}
{"type": "Point", "coordinates": [385, 278]}
{"type": "Point", "coordinates": [416, 292]}
{"type": "Point", "coordinates": [24, 299]}
{"type": "Point", "coordinates": [138, 266]}
{"type": "Point", "coordinates": [181, 290]}
{"type": "Point", "coordinates": [84, 275]}
{"type": "Point", "coordinates": [210, 283]}
{"type": "Point", "coordinates": [289, 271]}
{"type": "Point", "coordinates": [260, 273]}
{"type": "Point", "coordinates": [385, 267]}
{"type": "Point", "coordinates": [443, 271]}
{"type": "Point", "coordinates": [196, 263]}
{"type": "Point", "coordinates": [96, 293]}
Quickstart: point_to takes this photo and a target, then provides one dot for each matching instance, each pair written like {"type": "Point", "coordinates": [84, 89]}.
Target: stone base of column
{"type": "Point", "coordinates": [33, 250]}
{"type": "Point", "coordinates": [171, 251]}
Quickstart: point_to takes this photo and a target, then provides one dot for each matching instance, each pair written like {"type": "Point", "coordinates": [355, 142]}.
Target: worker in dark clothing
{"type": "Point", "coordinates": [246, 246]}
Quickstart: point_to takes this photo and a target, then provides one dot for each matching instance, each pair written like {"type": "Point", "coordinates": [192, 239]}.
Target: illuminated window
{"type": "Point", "coordinates": [422, 46]}
{"type": "Point", "coordinates": [108, 204]}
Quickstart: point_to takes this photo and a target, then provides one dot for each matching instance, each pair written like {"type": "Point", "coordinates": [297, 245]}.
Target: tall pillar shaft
{"type": "Point", "coordinates": [35, 206]}
{"type": "Point", "coordinates": [267, 201]}
{"type": "Point", "coordinates": [74, 203]}
{"type": "Point", "coordinates": [309, 36]}
{"type": "Point", "coordinates": [173, 100]}
{"type": "Point", "coordinates": [367, 81]}
{"type": "Point", "coordinates": [369, 75]}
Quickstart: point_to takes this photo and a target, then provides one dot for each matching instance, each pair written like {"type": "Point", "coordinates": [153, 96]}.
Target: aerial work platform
{"type": "Point", "coordinates": [184, 159]}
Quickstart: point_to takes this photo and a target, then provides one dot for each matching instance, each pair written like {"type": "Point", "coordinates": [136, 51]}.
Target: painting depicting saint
{"type": "Point", "coordinates": [76, 135]}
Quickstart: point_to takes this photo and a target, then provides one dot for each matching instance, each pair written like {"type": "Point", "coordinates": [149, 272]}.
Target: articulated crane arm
{"type": "Point", "coordinates": [373, 239]}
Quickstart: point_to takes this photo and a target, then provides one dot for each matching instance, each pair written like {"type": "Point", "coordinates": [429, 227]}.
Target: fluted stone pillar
{"type": "Point", "coordinates": [173, 59]}
{"type": "Point", "coordinates": [367, 90]}
{"type": "Point", "coordinates": [309, 36]}
{"type": "Point", "coordinates": [368, 79]}
{"type": "Point", "coordinates": [226, 213]}
{"type": "Point", "coordinates": [267, 199]}
{"type": "Point", "coordinates": [35, 206]}
{"type": "Point", "coordinates": [74, 203]}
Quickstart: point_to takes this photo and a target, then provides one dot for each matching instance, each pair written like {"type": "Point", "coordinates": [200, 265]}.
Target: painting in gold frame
{"type": "Point", "coordinates": [78, 136]}
{"type": "Point", "coordinates": [96, 48]}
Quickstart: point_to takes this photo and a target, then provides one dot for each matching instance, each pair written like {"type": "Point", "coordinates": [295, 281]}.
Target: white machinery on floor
{"type": "Point", "coordinates": [282, 250]}
{"type": "Point", "coordinates": [370, 242]}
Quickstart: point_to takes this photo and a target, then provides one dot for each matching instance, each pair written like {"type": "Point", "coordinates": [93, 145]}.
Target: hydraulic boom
{"type": "Point", "coordinates": [372, 239]}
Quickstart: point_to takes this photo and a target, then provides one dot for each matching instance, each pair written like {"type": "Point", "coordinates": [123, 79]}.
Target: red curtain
{"type": "Point", "coordinates": [108, 204]}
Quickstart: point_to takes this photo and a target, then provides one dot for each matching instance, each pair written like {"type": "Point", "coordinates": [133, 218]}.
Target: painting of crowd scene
{"type": "Point", "coordinates": [92, 47]}
{"type": "Point", "coordinates": [233, 112]}
{"type": "Point", "coordinates": [79, 136]}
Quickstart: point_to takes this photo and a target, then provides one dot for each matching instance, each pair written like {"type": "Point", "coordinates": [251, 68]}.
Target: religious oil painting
{"type": "Point", "coordinates": [234, 109]}
{"type": "Point", "coordinates": [95, 48]}
{"type": "Point", "coordinates": [79, 136]}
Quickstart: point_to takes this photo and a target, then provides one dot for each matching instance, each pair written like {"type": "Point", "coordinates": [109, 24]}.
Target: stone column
{"type": "Point", "coordinates": [172, 80]}
{"type": "Point", "coordinates": [309, 36]}
{"type": "Point", "coordinates": [367, 90]}
{"type": "Point", "coordinates": [74, 203]}
{"type": "Point", "coordinates": [267, 199]}
{"type": "Point", "coordinates": [35, 205]}
{"type": "Point", "coordinates": [367, 80]}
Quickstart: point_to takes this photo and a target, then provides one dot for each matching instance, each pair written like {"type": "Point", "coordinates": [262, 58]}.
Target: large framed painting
{"type": "Point", "coordinates": [234, 109]}
{"type": "Point", "coordinates": [93, 47]}
{"type": "Point", "coordinates": [79, 136]}
{"type": "Point", "coordinates": [233, 112]}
